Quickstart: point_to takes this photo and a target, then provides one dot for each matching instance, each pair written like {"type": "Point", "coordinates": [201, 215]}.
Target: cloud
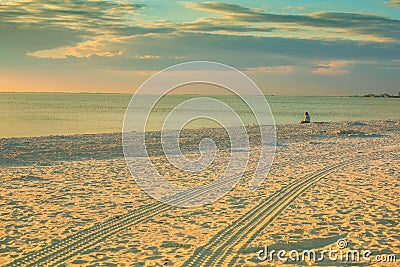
{"type": "Point", "coordinates": [97, 23]}
{"type": "Point", "coordinates": [240, 51]}
{"type": "Point", "coordinates": [221, 7]}
{"type": "Point", "coordinates": [212, 25]}
{"type": "Point", "coordinates": [147, 57]}
{"type": "Point", "coordinates": [353, 25]}
{"type": "Point", "coordinates": [115, 31]}
{"type": "Point", "coordinates": [73, 14]}
{"type": "Point", "coordinates": [139, 30]}
{"type": "Point", "coordinates": [93, 47]}
{"type": "Point", "coordinates": [98, 45]}
{"type": "Point", "coordinates": [333, 67]}
{"type": "Point", "coordinates": [91, 18]}
{"type": "Point", "coordinates": [272, 69]}
{"type": "Point", "coordinates": [122, 37]}
{"type": "Point", "coordinates": [65, 52]}
{"type": "Point", "coordinates": [393, 3]}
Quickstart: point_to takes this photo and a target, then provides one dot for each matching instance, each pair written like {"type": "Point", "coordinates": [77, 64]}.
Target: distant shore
{"type": "Point", "coordinates": [385, 95]}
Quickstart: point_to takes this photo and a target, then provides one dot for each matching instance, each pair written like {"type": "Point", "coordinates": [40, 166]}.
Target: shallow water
{"type": "Point", "coordinates": [41, 114]}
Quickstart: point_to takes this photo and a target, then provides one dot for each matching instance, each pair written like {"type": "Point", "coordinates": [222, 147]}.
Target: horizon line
{"type": "Point", "coordinates": [124, 93]}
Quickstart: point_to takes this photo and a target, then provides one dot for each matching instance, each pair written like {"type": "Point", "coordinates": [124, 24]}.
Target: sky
{"type": "Point", "coordinates": [288, 47]}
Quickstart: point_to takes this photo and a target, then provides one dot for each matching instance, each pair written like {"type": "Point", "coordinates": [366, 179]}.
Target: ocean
{"type": "Point", "coordinates": [42, 114]}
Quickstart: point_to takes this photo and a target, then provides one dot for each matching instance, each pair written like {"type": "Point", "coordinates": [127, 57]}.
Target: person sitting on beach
{"type": "Point", "coordinates": [307, 118]}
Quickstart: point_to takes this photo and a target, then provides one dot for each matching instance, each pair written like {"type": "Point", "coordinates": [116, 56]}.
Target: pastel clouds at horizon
{"type": "Point", "coordinates": [290, 47]}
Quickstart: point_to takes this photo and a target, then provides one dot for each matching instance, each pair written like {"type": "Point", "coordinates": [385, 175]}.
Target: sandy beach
{"type": "Point", "coordinates": [199, 133]}
{"type": "Point", "coordinates": [71, 201]}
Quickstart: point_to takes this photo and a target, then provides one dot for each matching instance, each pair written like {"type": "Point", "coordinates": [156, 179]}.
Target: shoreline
{"type": "Point", "coordinates": [47, 150]}
{"type": "Point", "coordinates": [191, 129]}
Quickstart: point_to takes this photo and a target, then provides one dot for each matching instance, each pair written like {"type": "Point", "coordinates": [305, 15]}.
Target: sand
{"type": "Point", "coordinates": [71, 201]}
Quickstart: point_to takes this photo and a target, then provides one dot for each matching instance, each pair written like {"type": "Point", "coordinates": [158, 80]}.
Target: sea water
{"type": "Point", "coordinates": [40, 114]}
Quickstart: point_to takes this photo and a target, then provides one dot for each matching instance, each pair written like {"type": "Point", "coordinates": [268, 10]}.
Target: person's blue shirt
{"type": "Point", "coordinates": [308, 118]}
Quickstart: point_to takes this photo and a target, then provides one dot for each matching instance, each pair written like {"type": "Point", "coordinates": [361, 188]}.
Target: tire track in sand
{"type": "Point", "coordinates": [221, 250]}
{"type": "Point", "coordinates": [86, 239]}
